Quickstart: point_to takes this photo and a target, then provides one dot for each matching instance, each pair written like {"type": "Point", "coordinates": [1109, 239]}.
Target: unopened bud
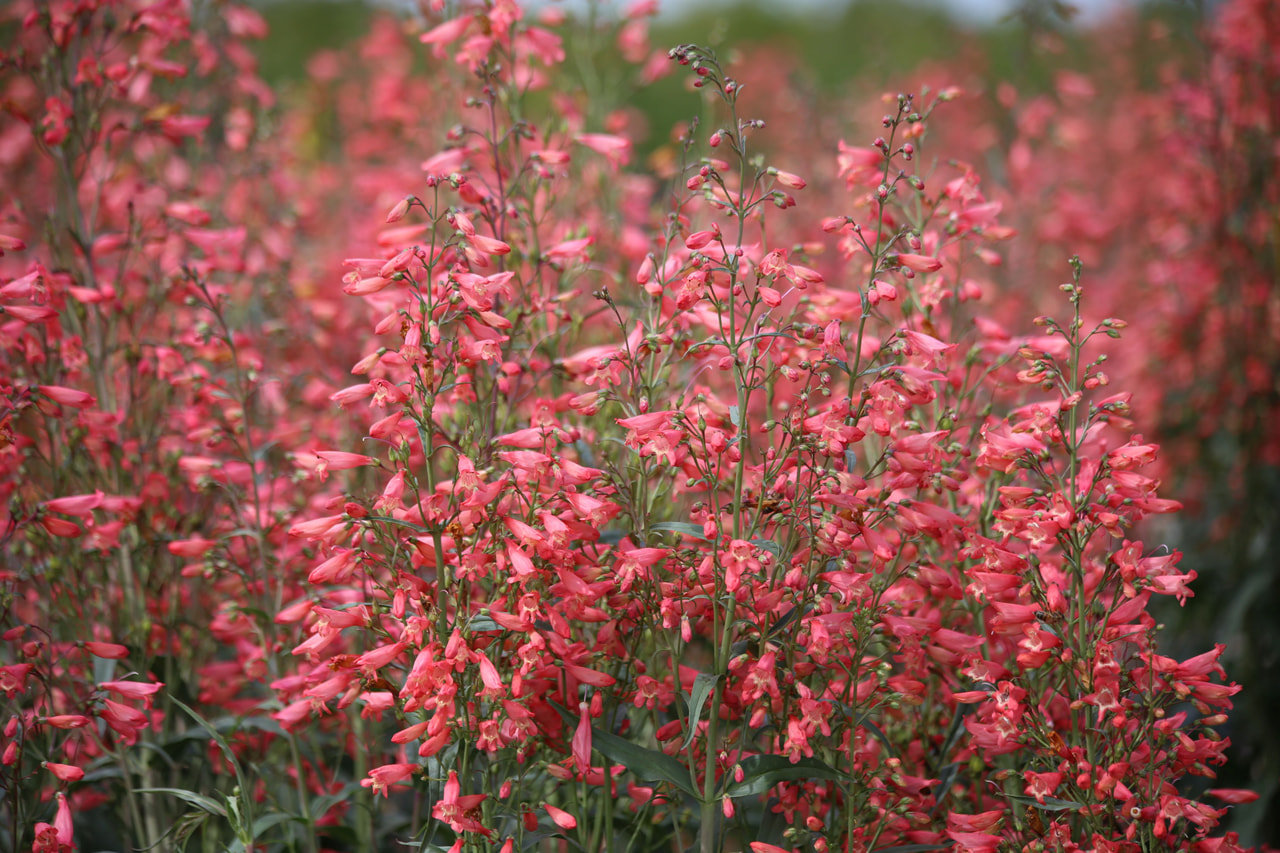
{"type": "Point", "coordinates": [402, 207]}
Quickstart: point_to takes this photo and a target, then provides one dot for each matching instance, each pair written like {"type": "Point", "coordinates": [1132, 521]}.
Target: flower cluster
{"type": "Point", "coordinates": [477, 486]}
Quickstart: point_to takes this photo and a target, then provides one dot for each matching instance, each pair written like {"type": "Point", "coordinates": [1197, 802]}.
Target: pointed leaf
{"type": "Point", "coordinates": [649, 765]}
{"type": "Point", "coordinates": [219, 740]}
{"type": "Point", "coordinates": [879, 733]}
{"type": "Point", "coordinates": [946, 776]}
{"type": "Point", "coordinates": [769, 545]}
{"type": "Point", "coordinates": [682, 527]}
{"type": "Point", "coordinates": [702, 687]}
{"type": "Point", "coordinates": [762, 772]}
{"type": "Point", "coordinates": [267, 821]}
{"type": "Point", "coordinates": [199, 801]}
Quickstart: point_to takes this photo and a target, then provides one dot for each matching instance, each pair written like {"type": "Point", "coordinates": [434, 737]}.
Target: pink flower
{"type": "Point", "coordinates": [67, 396]}
{"type": "Point", "coordinates": [616, 149]}
{"type": "Point", "coordinates": [975, 842]}
{"type": "Point", "coordinates": [110, 651]}
{"type": "Point", "coordinates": [352, 394]}
{"type": "Point", "coordinates": [562, 818]}
{"type": "Point", "coordinates": [919, 263]}
{"type": "Point", "coordinates": [832, 343]}
{"type": "Point", "coordinates": [382, 778]}
{"type": "Point", "coordinates": [81, 505]}
{"type": "Point", "coordinates": [581, 746]}
{"type": "Point", "coordinates": [124, 720]}
{"type": "Point", "coordinates": [1041, 785]}
{"type": "Point", "coordinates": [56, 116]}
{"type": "Point", "coordinates": [58, 837]}
{"type": "Point", "coordinates": [488, 245]}
{"type": "Point", "coordinates": [64, 772]}
{"type": "Point", "coordinates": [787, 179]}
{"type": "Point", "coordinates": [136, 690]}
{"type": "Point", "coordinates": [446, 33]}
{"type": "Point", "coordinates": [456, 810]}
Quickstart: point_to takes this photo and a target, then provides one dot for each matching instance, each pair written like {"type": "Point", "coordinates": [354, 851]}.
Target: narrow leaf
{"type": "Point", "coordinates": [648, 765]}
{"type": "Point", "coordinates": [267, 821]}
{"type": "Point", "coordinates": [702, 687]}
{"type": "Point", "coordinates": [219, 740]}
{"type": "Point", "coordinates": [762, 772]}
{"type": "Point", "coordinates": [682, 527]}
{"type": "Point", "coordinates": [769, 545]}
{"type": "Point", "coordinates": [945, 777]}
{"type": "Point", "coordinates": [879, 733]}
{"type": "Point", "coordinates": [201, 802]}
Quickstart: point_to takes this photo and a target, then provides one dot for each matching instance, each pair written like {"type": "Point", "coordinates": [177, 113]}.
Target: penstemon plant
{"type": "Point", "coordinates": [722, 513]}
{"type": "Point", "coordinates": [139, 421]}
{"type": "Point", "coordinates": [734, 551]}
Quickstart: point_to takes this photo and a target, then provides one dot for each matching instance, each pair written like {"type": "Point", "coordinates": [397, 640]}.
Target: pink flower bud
{"type": "Point", "coordinates": [81, 505]}
{"type": "Point", "coordinates": [67, 721]}
{"type": "Point", "coordinates": [110, 651]}
{"type": "Point", "coordinates": [65, 772]}
{"type": "Point", "coordinates": [788, 180]}
{"type": "Point", "coordinates": [488, 245]}
{"type": "Point", "coordinates": [402, 207]}
{"type": "Point", "coordinates": [919, 263]}
{"type": "Point", "coordinates": [645, 273]}
{"type": "Point", "coordinates": [67, 396]}
{"type": "Point", "coordinates": [701, 239]}
{"type": "Point", "coordinates": [31, 313]}
{"type": "Point", "coordinates": [562, 818]}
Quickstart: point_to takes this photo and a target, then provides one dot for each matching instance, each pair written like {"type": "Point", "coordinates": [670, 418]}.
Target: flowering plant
{"type": "Point", "coordinates": [662, 510]}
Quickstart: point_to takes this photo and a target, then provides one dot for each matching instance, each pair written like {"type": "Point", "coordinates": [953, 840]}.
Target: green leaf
{"type": "Point", "coordinates": [702, 687]}
{"type": "Point", "coordinates": [317, 807]}
{"type": "Point", "coordinates": [777, 627]}
{"type": "Point", "coordinates": [769, 545]}
{"type": "Point", "coordinates": [104, 773]}
{"type": "Point", "coordinates": [682, 527]}
{"type": "Point", "coordinates": [219, 740]}
{"type": "Point", "coordinates": [956, 729]}
{"type": "Point", "coordinates": [386, 519]}
{"type": "Point", "coordinates": [103, 669]}
{"type": "Point", "coordinates": [649, 765]}
{"type": "Point", "coordinates": [735, 416]}
{"type": "Point", "coordinates": [945, 777]}
{"type": "Point", "coordinates": [185, 827]}
{"type": "Point", "coordinates": [879, 733]}
{"type": "Point", "coordinates": [762, 772]}
{"type": "Point", "coordinates": [267, 821]}
{"type": "Point", "coordinates": [484, 623]}
{"type": "Point", "coordinates": [190, 797]}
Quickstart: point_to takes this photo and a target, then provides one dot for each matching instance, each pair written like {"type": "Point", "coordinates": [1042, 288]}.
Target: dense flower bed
{"type": "Point", "coordinates": [412, 463]}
